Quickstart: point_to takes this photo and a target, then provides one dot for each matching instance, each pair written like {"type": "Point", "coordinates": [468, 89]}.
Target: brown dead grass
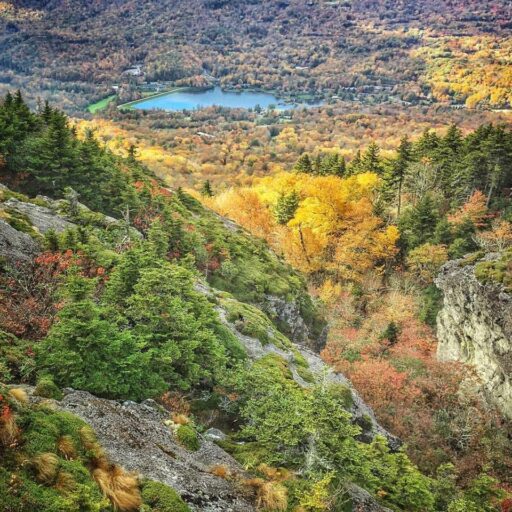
{"type": "Point", "coordinates": [65, 483]}
{"type": "Point", "coordinates": [19, 394]}
{"type": "Point", "coordinates": [66, 447]}
{"type": "Point", "coordinates": [119, 486]}
{"type": "Point", "coordinates": [46, 467]}
{"type": "Point", "coordinates": [180, 419]}
{"type": "Point", "coordinates": [220, 470]}
{"type": "Point", "coordinates": [269, 496]}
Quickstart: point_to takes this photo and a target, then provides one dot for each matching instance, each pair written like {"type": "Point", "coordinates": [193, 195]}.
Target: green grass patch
{"type": "Point", "coordinates": [131, 104]}
{"type": "Point", "coordinates": [93, 108]}
{"type": "Point", "coordinates": [305, 374]}
{"type": "Point", "coordinates": [496, 272]}
{"type": "Point", "coordinates": [162, 498]}
{"type": "Point", "coordinates": [187, 437]}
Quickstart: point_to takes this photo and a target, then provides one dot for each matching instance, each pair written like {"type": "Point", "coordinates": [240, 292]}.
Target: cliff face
{"type": "Point", "coordinates": [475, 326]}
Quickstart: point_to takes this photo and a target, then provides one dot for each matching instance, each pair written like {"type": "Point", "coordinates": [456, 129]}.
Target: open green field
{"type": "Point", "coordinates": [102, 104]}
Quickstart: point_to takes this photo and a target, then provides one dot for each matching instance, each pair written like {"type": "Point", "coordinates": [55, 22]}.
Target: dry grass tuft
{"type": "Point", "coordinates": [255, 483]}
{"type": "Point", "coordinates": [19, 394]}
{"type": "Point", "coordinates": [90, 443]}
{"type": "Point", "coordinates": [88, 438]}
{"type": "Point", "coordinates": [272, 496]}
{"type": "Point", "coordinates": [220, 470]}
{"type": "Point", "coordinates": [66, 447]}
{"type": "Point", "coordinates": [120, 487]}
{"type": "Point", "coordinates": [46, 466]}
{"type": "Point", "coordinates": [180, 419]}
{"type": "Point", "coordinates": [65, 482]}
{"type": "Point", "coordinates": [176, 402]}
{"type": "Point", "coordinates": [275, 474]}
{"type": "Point", "coordinates": [8, 427]}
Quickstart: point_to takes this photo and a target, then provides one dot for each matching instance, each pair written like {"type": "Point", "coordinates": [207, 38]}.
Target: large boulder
{"type": "Point", "coordinates": [15, 245]}
{"type": "Point", "coordinates": [42, 218]}
{"type": "Point", "coordinates": [140, 438]}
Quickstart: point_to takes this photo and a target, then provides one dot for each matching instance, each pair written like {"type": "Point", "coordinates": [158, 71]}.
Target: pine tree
{"type": "Point", "coordinates": [333, 164]}
{"type": "Point", "coordinates": [453, 138]}
{"type": "Point", "coordinates": [341, 171]}
{"type": "Point", "coordinates": [370, 161]}
{"type": "Point", "coordinates": [132, 153]}
{"type": "Point", "coordinates": [426, 144]}
{"type": "Point", "coordinates": [317, 165]}
{"type": "Point", "coordinates": [86, 351]}
{"type": "Point", "coordinates": [399, 169]}
{"type": "Point", "coordinates": [304, 164]}
{"type": "Point", "coordinates": [418, 224]}
{"type": "Point", "coordinates": [285, 208]}
{"type": "Point", "coordinates": [158, 240]}
{"type": "Point", "coordinates": [206, 189]}
{"type": "Point", "coordinates": [355, 165]}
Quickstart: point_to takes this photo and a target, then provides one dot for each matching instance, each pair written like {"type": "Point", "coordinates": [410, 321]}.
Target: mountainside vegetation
{"type": "Point", "coordinates": [301, 305]}
{"type": "Point", "coordinates": [372, 232]}
{"type": "Point", "coordinates": [115, 303]}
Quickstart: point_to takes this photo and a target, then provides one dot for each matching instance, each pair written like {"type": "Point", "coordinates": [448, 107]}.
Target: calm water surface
{"type": "Point", "coordinates": [189, 100]}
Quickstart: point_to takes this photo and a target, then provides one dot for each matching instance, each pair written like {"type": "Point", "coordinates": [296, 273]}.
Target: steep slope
{"type": "Point", "coordinates": [172, 302]}
{"type": "Point", "coordinates": [141, 293]}
{"type": "Point", "coordinates": [140, 437]}
{"type": "Point", "coordinates": [475, 324]}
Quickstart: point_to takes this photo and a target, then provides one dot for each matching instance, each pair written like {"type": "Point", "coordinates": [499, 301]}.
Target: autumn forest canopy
{"type": "Point", "coordinates": [368, 51]}
{"type": "Point", "coordinates": [309, 304]}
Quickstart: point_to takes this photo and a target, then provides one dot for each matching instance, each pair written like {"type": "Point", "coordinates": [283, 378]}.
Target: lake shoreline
{"type": "Point", "coordinates": [225, 97]}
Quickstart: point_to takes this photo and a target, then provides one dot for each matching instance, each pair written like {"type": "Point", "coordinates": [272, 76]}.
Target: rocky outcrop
{"type": "Point", "coordinates": [363, 501]}
{"type": "Point", "coordinates": [137, 437]}
{"type": "Point", "coordinates": [15, 245]}
{"type": "Point", "coordinates": [362, 414]}
{"type": "Point", "coordinates": [42, 218]}
{"type": "Point", "coordinates": [289, 314]}
{"type": "Point", "coordinates": [475, 326]}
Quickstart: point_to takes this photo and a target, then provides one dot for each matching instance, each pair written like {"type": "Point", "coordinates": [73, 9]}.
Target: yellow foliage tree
{"type": "Point", "coordinates": [334, 226]}
{"type": "Point", "coordinates": [425, 261]}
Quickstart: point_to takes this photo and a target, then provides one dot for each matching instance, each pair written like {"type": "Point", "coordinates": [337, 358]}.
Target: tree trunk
{"type": "Point", "coordinates": [303, 245]}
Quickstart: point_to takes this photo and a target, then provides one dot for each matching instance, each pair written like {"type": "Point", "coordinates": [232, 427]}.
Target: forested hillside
{"type": "Point", "coordinates": [121, 287]}
{"type": "Point", "coordinates": [372, 233]}
{"type": "Point", "coordinates": [369, 51]}
{"type": "Point", "coordinates": [255, 256]}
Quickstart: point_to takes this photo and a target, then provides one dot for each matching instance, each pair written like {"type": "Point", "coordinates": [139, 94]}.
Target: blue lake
{"type": "Point", "coordinates": [190, 99]}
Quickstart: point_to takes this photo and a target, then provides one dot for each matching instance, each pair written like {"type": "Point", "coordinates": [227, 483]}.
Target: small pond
{"type": "Point", "coordinates": [190, 99]}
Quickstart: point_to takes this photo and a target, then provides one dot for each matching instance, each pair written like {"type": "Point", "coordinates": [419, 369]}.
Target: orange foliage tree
{"type": "Point", "coordinates": [334, 226]}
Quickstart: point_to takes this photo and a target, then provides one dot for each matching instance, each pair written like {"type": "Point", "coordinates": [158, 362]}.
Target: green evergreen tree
{"type": "Point", "coordinates": [417, 225]}
{"type": "Point", "coordinates": [86, 350]}
{"type": "Point", "coordinates": [370, 161]}
{"type": "Point", "coordinates": [178, 322]}
{"type": "Point", "coordinates": [304, 164]}
{"type": "Point", "coordinates": [206, 189]}
{"type": "Point", "coordinates": [399, 168]}
{"type": "Point", "coordinates": [286, 207]}
{"type": "Point", "coordinates": [355, 165]}
{"type": "Point", "coordinates": [132, 153]}
{"type": "Point", "coordinates": [317, 165]}
{"type": "Point", "coordinates": [158, 240]}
